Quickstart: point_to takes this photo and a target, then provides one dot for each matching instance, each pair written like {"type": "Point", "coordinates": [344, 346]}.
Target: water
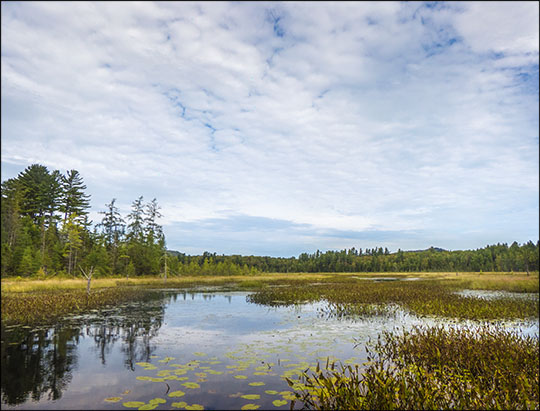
{"type": "Point", "coordinates": [213, 339]}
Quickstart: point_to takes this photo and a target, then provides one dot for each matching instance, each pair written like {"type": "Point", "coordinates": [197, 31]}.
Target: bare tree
{"type": "Point", "coordinates": [88, 277]}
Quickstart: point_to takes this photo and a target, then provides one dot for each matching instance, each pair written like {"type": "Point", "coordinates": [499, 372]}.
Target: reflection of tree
{"type": "Point", "coordinates": [41, 361]}
{"type": "Point", "coordinates": [37, 362]}
{"type": "Point", "coordinates": [137, 324]}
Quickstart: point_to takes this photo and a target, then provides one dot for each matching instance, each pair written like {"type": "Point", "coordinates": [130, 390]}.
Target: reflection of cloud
{"type": "Point", "coordinates": [350, 116]}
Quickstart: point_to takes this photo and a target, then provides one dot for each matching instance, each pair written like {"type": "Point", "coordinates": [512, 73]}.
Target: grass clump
{"type": "Point", "coordinates": [31, 308]}
{"type": "Point", "coordinates": [432, 368]}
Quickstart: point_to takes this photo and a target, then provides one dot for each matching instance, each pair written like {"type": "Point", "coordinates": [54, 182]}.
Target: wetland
{"type": "Point", "coordinates": [274, 342]}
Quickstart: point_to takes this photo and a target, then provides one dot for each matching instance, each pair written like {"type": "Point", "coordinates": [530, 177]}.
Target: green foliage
{"type": "Point", "coordinates": [433, 368]}
{"type": "Point", "coordinates": [45, 227]}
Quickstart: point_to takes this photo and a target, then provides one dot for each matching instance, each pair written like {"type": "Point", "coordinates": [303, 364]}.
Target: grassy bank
{"type": "Point", "coordinates": [432, 368]}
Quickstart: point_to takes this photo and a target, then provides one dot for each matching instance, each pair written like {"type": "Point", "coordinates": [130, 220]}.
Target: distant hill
{"type": "Point", "coordinates": [436, 249]}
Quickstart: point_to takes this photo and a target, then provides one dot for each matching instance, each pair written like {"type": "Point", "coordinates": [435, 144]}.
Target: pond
{"type": "Point", "coordinates": [185, 350]}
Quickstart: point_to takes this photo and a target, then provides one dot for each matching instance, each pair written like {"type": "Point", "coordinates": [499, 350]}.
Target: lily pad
{"type": "Point", "coordinates": [256, 384]}
{"type": "Point", "coordinates": [191, 385]}
{"type": "Point", "coordinates": [194, 407]}
{"type": "Point", "coordinates": [150, 406]}
{"type": "Point", "coordinates": [240, 377]}
{"type": "Point", "coordinates": [177, 394]}
{"type": "Point", "coordinates": [113, 399]}
{"type": "Point", "coordinates": [279, 403]}
{"type": "Point", "coordinates": [157, 401]}
{"type": "Point", "coordinates": [133, 404]}
{"type": "Point", "coordinates": [200, 354]}
{"type": "Point", "coordinates": [180, 404]}
{"type": "Point", "coordinates": [271, 392]}
{"type": "Point", "coordinates": [251, 396]}
{"type": "Point", "coordinates": [250, 407]}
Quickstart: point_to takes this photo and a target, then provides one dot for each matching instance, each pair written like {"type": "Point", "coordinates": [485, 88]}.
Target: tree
{"type": "Point", "coordinates": [73, 199]}
{"type": "Point", "coordinates": [72, 232]}
{"type": "Point", "coordinates": [113, 227]}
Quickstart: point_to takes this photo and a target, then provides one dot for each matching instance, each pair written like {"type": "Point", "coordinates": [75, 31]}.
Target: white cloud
{"type": "Point", "coordinates": [347, 116]}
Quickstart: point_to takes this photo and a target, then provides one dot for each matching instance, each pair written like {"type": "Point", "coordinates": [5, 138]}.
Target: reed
{"type": "Point", "coordinates": [432, 368]}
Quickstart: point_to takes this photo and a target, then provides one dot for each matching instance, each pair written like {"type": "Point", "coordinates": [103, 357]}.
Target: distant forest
{"type": "Point", "coordinates": [45, 231]}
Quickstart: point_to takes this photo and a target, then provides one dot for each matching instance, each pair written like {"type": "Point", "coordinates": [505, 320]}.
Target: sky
{"type": "Point", "coordinates": [269, 128]}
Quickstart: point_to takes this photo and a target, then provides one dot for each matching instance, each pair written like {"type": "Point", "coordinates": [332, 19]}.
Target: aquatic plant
{"type": "Point", "coordinates": [349, 296]}
{"type": "Point", "coordinates": [432, 368]}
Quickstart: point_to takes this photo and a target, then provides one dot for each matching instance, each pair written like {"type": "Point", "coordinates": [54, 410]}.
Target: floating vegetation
{"type": "Point", "coordinates": [279, 403]}
{"type": "Point", "coordinates": [433, 368]}
{"type": "Point", "coordinates": [251, 396]}
{"type": "Point", "coordinates": [256, 384]}
{"type": "Point", "coordinates": [113, 399]}
{"type": "Point", "coordinates": [133, 404]}
{"type": "Point", "coordinates": [250, 407]}
{"type": "Point", "coordinates": [191, 385]}
{"type": "Point", "coordinates": [177, 394]}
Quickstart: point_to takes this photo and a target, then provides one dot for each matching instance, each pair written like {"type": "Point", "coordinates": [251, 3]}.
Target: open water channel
{"type": "Point", "coordinates": [182, 350]}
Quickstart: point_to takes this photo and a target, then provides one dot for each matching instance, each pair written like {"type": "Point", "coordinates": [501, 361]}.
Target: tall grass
{"type": "Point", "coordinates": [432, 368]}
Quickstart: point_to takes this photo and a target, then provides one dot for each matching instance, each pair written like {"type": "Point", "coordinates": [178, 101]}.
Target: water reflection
{"type": "Point", "coordinates": [36, 363]}
{"type": "Point", "coordinates": [39, 363]}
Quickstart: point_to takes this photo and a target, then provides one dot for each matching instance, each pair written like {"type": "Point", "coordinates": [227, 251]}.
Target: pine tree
{"type": "Point", "coordinates": [73, 199]}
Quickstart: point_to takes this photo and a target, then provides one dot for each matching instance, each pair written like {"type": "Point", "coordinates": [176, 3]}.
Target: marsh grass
{"type": "Point", "coordinates": [422, 297]}
{"type": "Point", "coordinates": [45, 306]}
{"type": "Point", "coordinates": [432, 368]}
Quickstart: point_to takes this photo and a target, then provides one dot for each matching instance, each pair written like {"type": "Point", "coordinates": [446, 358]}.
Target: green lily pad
{"type": "Point", "coordinates": [177, 394]}
{"type": "Point", "coordinates": [191, 385]}
{"type": "Point", "coordinates": [144, 364]}
{"type": "Point", "coordinates": [200, 354]}
{"type": "Point", "coordinates": [157, 401]}
{"type": "Point", "coordinates": [133, 404]}
{"type": "Point", "coordinates": [271, 392]}
{"type": "Point", "coordinates": [250, 407]}
{"type": "Point", "coordinates": [148, 407]}
{"type": "Point", "coordinates": [279, 403]}
{"type": "Point", "coordinates": [256, 384]}
{"type": "Point", "coordinates": [180, 404]}
{"type": "Point", "coordinates": [194, 407]}
{"type": "Point", "coordinates": [240, 377]}
{"type": "Point", "coordinates": [113, 399]}
{"type": "Point", "coordinates": [251, 396]}
{"type": "Point", "coordinates": [214, 372]}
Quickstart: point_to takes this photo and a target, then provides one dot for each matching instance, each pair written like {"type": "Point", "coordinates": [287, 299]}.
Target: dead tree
{"type": "Point", "coordinates": [88, 277]}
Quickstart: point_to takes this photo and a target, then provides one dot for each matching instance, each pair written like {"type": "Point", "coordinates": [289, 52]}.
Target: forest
{"type": "Point", "coordinates": [45, 231]}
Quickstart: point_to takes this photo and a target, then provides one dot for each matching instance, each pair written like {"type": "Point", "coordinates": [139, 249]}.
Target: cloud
{"type": "Point", "coordinates": [359, 117]}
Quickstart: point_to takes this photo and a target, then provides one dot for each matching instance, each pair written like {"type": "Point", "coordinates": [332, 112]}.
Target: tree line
{"type": "Point", "coordinates": [499, 257]}
{"type": "Point", "coordinates": [45, 230]}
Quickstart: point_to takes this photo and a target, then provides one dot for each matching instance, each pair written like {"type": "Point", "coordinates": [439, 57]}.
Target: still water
{"type": "Point", "coordinates": [182, 350]}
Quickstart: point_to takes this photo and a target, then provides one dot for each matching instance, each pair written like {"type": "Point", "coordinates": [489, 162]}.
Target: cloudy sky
{"type": "Point", "coordinates": [278, 128]}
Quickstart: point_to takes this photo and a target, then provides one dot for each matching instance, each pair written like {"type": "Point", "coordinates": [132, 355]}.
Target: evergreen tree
{"type": "Point", "coordinates": [73, 199]}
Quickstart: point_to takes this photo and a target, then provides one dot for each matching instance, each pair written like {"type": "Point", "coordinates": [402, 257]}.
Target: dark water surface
{"type": "Point", "coordinates": [180, 350]}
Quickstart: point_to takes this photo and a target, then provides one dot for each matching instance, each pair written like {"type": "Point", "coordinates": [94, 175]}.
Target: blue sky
{"type": "Point", "coordinates": [280, 128]}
